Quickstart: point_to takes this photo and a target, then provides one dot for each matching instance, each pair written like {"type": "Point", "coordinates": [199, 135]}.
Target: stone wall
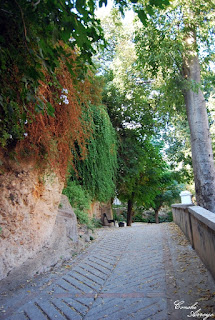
{"type": "Point", "coordinates": [28, 209]}
{"type": "Point", "coordinates": [97, 210]}
{"type": "Point", "coordinates": [198, 225]}
{"type": "Point", "coordinates": [62, 243]}
{"type": "Point", "coordinates": [107, 209]}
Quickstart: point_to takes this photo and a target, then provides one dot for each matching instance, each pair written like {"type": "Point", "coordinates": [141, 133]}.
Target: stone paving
{"type": "Point", "coordinates": [127, 273]}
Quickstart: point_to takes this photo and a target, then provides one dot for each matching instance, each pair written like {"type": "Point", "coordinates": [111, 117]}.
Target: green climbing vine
{"type": "Point", "coordinates": [96, 173]}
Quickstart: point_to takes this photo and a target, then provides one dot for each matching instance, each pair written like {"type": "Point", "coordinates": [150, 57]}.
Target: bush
{"type": "Point", "coordinates": [97, 223]}
{"type": "Point", "coordinates": [82, 216]}
{"type": "Point", "coordinates": [78, 197]}
{"type": "Point", "coordinates": [80, 201]}
{"type": "Point", "coordinates": [168, 218]}
{"type": "Point", "coordinates": [138, 217]}
{"type": "Point", "coordinates": [119, 217]}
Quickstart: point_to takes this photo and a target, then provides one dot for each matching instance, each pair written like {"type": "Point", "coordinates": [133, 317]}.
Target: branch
{"type": "Point", "coordinates": [6, 11]}
{"type": "Point", "coordinates": [35, 4]}
{"type": "Point", "coordinates": [23, 21]}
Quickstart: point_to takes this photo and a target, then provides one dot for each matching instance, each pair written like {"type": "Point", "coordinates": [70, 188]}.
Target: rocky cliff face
{"type": "Point", "coordinates": [28, 209]}
{"type": "Point", "coordinates": [35, 232]}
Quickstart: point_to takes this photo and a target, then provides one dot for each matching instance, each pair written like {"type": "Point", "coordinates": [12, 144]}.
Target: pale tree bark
{"type": "Point", "coordinates": [202, 154]}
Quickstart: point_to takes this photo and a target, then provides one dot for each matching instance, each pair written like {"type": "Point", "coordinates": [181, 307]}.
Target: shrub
{"type": "Point", "coordinates": [119, 217]}
{"type": "Point", "coordinates": [168, 218]}
{"type": "Point", "coordinates": [78, 197]}
{"type": "Point", "coordinates": [80, 200]}
{"type": "Point", "coordinates": [138, 217]}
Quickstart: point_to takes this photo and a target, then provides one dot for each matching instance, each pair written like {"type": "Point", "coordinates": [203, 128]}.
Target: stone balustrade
{"type": "Point", "coordinates": [198, 224]}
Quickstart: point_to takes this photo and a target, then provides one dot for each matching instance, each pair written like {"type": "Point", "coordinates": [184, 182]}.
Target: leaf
{"type": "Point", "coordinates": [101, 2]}
{"type": "Point", "coordinates": [39, 108]}
{"type": "Point", "coordinates": [65, 34]}
{"type": "Point", "coordinates": [159, 3]}
{"type": "Point", "coordinates": [142, 16]}
{"type": "Point", "coordinates": [80, 4]}
{"type": "Point", "coordinates": [50, 109]}
{"type": "Point", "coordinates": [150, 10]}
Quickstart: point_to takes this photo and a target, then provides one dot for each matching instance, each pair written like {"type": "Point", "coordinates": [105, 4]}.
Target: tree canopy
{"type": "Point", "coordinates": [173, 49]}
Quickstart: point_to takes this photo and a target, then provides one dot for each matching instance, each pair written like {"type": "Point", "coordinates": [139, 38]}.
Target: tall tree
{"type": "Point", "coordinates": [140, 169]}
{"type": "Point", "coordinates": [202, 153]}
{"type": "Point", "coordinates": [173, 42]}
{"type": "Point", "coordinates": [126, 96]}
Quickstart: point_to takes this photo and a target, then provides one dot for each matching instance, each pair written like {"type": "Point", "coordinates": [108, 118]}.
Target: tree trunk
{"type": "Point", "coordinates": [202, 155]}
{"type": "Point", "coordinates": [130, 212]}
{"type": "Point", "coordinates": [156, 216]}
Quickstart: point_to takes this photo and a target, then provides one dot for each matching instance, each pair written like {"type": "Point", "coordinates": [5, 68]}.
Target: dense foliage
{"type": "Point", "coordinates": [140, 123]}
{"type": "Point", "coordinates": [50, 102]}
{"type": "Point", "coordinates": [31, 43]}
{"type": "Point", "coordinates": [92, 176]}
{"type": "Point", "coordinates": [96, 173]}
{"type": "Point", "coordinates": [50, 137]}
{"type": "Point", "coordinates": [80, 200]}
{"type": "Point", "coordinates": [178, 54]}
{"type": "Point", "coordinates": [162, 47]}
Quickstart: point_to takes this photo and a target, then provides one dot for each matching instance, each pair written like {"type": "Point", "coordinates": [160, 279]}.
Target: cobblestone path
{"type": "Point", "coordinates": [129, 273]}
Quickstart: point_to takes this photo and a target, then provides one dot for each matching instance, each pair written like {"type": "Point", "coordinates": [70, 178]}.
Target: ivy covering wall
{"type": "Point", "coordinates": [96, 173]}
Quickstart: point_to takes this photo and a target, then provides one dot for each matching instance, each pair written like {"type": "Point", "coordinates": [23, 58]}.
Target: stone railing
{"type": "Point", "coordinates": [198, 225]}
